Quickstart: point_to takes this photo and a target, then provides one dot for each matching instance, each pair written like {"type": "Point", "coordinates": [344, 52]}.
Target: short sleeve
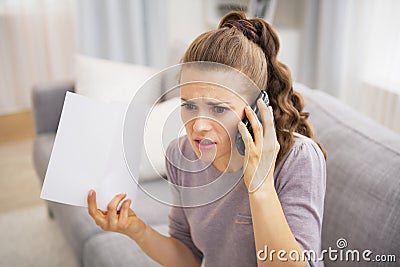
{"type": "Point", "coordinates": [179, 227]}
{"type": "Point", "coordinates": [301, 186]}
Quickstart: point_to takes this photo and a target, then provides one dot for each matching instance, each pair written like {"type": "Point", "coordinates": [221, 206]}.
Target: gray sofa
{"type": "Point", "coordinates": [362, 203]}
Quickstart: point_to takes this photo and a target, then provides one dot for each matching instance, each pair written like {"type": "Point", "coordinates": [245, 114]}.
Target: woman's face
{"type": "Point", "coordinates": [211, 113]}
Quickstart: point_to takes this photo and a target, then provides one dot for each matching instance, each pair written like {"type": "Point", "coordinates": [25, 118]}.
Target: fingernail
{"type": "Point", "coordinates": [90, 192]}
{"type": "Point", "coordinates": [248, 107]}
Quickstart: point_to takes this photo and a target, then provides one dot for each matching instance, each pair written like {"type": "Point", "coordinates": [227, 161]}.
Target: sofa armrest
{"type": "Point", "coordinates": [47, 104]}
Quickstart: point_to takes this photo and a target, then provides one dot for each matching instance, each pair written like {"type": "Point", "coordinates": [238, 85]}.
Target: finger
{"type": "Point", "coordinates": [255, 125]}
{"type": "Point", "coordinates": [247, 140]}
{"type": "Point", "coordinates": [92, 203]}
{"type": "Point", "coordinates": [94, 212]}
{"type": "Point", "coordinates": [124, 213]}
{"type": "Point", "coordinates": [112, 209]}
{"type": "Point", "coordinates": [273, 136]}
{"type": "Point", "coordinates": [267, 116]}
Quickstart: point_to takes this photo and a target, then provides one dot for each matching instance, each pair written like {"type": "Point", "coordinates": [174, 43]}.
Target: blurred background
{"type": "Point", "coordinates": [347, 48]}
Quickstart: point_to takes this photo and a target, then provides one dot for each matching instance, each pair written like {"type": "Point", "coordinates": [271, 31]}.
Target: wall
{"type": "Point", "coordinates": [188, 19]}
{"type": "Point", "coordinates": [185, 23]}
{"type": "Point", "coordinates": [289, 23]}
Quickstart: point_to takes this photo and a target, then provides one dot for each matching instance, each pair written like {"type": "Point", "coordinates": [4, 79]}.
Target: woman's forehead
{"type": "Point", "coordinates": [225, 78]}
{"type": "Point", "coordinates": [207, 90]}
{"type": "Point", "coordinates": [220, 84]}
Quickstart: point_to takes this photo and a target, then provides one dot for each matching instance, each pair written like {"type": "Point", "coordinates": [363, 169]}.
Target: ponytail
{"type": "Point", "coordinates": [287, 104]}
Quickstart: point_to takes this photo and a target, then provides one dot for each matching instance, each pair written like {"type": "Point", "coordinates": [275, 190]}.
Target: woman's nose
{"type": "Point", "coordinates": [202, 124]}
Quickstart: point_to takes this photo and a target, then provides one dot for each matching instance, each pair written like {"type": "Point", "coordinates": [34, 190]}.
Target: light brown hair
{"type": "Point", "coordinates": [251, 46]}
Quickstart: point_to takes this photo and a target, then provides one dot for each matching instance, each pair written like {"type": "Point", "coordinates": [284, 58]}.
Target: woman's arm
{"type": "Point", "coordinates": [271, 229]}
{"type": "Point", "coordinates": [165, 250]}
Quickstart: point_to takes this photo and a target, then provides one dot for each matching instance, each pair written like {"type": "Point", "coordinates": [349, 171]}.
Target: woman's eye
{"type": "Point", "coordinates": [219, 109]}
{"type": "Point", "coordinates": [188, 106]}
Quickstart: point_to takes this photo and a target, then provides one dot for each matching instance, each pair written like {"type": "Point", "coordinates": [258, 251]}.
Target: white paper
{"type": "Point", "coordinates": [88, 153]}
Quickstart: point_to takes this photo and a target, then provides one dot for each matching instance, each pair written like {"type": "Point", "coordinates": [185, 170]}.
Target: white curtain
{"type": "Point", "coordinates": [133, 31]}
{"type": "Point", "coordinates": [352, 51]}
{"type": "Point", "coordinates": [39, 40]}
{"type": "Point", "coordinates": [37, 43]}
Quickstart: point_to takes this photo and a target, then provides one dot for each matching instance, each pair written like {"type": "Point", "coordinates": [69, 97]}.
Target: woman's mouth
{"type": "Point", "coordinates": [204, 143]}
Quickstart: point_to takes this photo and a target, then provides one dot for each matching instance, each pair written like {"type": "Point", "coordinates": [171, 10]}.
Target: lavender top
{"type": "Point", "coordinates": [221, 233]}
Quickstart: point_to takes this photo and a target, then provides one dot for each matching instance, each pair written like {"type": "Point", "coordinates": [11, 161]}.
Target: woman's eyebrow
{"type": "Point", "coordinates": [216, 103]}
{"type": "Point", "coordinates": [211, 103]}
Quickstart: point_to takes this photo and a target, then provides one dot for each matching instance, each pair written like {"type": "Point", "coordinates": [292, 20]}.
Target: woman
{"type": "Point", "coordinates": [278, 205]}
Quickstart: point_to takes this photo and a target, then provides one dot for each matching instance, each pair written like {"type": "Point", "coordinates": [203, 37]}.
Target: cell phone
{"type": "Point", "coordinates": [239, 140]}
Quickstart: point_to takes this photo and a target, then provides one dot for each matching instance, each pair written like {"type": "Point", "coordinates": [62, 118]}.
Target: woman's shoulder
{"type": "Point", "coordinates": [302, 142]}
{"type": "Point", "coordinates": [303, 166]}
{"type": "Point", "coordinates": [304, 150]}
{"type": "Point", "coordinates": [302, 139]}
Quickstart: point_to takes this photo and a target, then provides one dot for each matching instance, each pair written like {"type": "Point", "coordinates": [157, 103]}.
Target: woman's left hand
{"type": "Point", "coordinates": [260, 153]}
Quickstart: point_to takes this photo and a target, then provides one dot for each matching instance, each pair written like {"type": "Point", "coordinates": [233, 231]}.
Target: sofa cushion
{"type": "Point", "coordinates": [362, 203]}
{"type": "Point", "coordinates": [109, 80]}
{"type": "Point", "coordinates": [113, 249]}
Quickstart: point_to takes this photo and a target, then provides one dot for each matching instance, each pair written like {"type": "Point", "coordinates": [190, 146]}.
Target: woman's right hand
{"type": "Point", "coordinates": [123, 221]}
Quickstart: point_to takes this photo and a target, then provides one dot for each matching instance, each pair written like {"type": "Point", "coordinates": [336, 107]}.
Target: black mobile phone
{"type": "Point", "coordinates": [239, 141]}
